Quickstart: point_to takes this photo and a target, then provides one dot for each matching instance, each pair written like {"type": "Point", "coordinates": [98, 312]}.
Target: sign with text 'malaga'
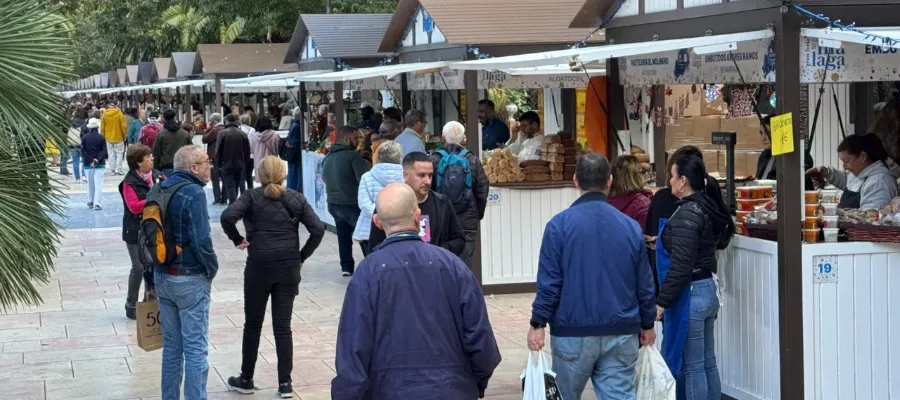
{"type": "Point", "coordinates": [851, 62]}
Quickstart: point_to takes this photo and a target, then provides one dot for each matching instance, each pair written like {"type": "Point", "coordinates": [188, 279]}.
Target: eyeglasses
{"type": "Point", "coordinates": [207, 161]}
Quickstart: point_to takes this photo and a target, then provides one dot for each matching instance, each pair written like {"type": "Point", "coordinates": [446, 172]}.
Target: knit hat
{"type": "Point", "coordinates": [93, 123]}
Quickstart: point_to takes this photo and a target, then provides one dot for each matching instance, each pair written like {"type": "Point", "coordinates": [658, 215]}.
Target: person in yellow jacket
{"type": "Point", "coordinates": [114, 129]}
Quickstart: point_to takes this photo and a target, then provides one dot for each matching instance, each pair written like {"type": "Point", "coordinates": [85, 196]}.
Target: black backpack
{"type": "Point", "coordinates": [155, 237]}
{"type": "Point", "coordinates": [454, 179]}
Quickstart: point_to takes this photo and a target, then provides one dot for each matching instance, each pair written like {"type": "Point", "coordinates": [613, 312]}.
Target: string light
{"type": "Point", "coordinates": [836, 24]}
{"type": "Point", "coordinates": [339, 62]}
{"type": "Point", "coordinates": [478, 54]}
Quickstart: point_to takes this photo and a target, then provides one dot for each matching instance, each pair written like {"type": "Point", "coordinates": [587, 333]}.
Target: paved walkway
{"type": "Point", "coordinates": [79, 345]}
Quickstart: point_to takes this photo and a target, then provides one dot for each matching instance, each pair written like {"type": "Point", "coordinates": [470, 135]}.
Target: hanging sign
{"type": "Point", "coordinates": [755, 58]}
{"type": "Point", "coordinates": [782, 134]}
{"type": "Point", "coordinates": [850, 62]}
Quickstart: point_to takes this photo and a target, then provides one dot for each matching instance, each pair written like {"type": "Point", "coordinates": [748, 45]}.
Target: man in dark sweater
{"type": "Point", "coordinates": [232, 156]}
{"type": "Point", "coordinates": [342, 170]}
{"type": "Point", "coordinates": [167, 143]}
{"type": "Point", "coordinates": [438, 223]}
{"type": "Point", "coordinates": [594, 290]}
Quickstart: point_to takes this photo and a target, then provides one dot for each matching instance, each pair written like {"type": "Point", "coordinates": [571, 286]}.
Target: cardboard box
{"type": "Point", "coordinates": [715, 107]}
{"type": "Point", "coordinates": [752, 161]}
{"type": "Point", "coordinates": [680, 134]}
{"type": "Point", "coordinates": [704, 127]}
{"type": "Point", "coordinates": [711, 160]}
{"type": "Point", "coordinates": [740, 164]}
{"type": "Point", "coordinates": [683, 101]}
{"type": "Point", "coordinates": [746, 130]}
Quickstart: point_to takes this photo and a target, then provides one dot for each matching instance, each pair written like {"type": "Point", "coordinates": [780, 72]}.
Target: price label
{"type": "Point", "coordinates": [782, 134]}
{"type": "Point", "coordinates": [493, 198]}
{"type": "Point", "coordinates": [825, 269]}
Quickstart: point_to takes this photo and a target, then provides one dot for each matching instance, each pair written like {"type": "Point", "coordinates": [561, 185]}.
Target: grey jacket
{"type": "Point", "coordinates": [875, 184]}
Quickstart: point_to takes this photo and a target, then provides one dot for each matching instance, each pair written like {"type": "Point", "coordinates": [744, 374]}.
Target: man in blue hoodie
{"type": "Point", "coordinates": [414, 324]}
{"type": "Point", "coordinates": [184, 286]}
{"type": "Point", "coordinates": [595, 289]}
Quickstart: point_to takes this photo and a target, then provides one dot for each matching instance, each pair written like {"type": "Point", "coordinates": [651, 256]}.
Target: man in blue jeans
{"type": "Point", "coordinates": [183, 287]}
{"type": "Point", "coordinates": [595, 289]}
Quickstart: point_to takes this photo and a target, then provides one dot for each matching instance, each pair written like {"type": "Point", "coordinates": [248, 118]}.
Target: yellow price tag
{"type": "Point", "coordinates": [782, 134]}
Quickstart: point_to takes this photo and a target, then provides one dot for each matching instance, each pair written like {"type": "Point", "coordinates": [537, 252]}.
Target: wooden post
{"type": "Point", "coordinates": [187, 105]}
{"type": "Point", "coordinates": [473, 135]}
{"type": "Point", "coordinates": [405, 100]}
{"type": "Point", "coordinates": [338, 105]}
{"type": "Point", "coordinates": [660, 161]}
{"type": "Point", "coordinates": [790, 191]}
{"type": "Point", "coordinates": [304, 108]}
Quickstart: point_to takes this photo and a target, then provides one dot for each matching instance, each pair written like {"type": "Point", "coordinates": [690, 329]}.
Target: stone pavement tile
{"type": "Point", "coordinates": [86, 330]}
{"type": "Point", "coordinates": [58, 319]}
{"type": "Point", "coordinates": [100, 368]}
{"type": "Point", "coordinates": [113, 387]}
{"type": "Point", "coordinates": [19, 334]}
{"type": "Point", "coordinates": [88, 341]}
{"type": "Point", "coordinates": [11, 359]}
{"type": "Point", "coordinates": [18, 321]}
{"type": "Point", "coordinates": [317, 315]}
{"type": "Point", "coordinates": [321, 392]}
{"type": "Point", "coordinates": [36, 372]}
{"type": "Point", "coordinates": [311, 372]}
{"type": "Point", "coordinates": [48, 306]}
{"type": "Point", "coordinates": [88, 353]}
{"type": "Point", "coordinates": [92, 304]}
{"type": "Point", "coordinates": [303, 352]}
{"type": "Point", "coordinates": [24, 390]}
{"type": "Point", "coordinates": [23, 346]}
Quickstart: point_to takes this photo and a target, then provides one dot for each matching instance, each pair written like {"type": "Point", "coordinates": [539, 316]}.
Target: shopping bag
{"type": "Point", "coordinates": [538, 380]}
{"type": "Point", "coordinates": [652, 377]}
{"type": "Point", "coordinates": [149, 330]}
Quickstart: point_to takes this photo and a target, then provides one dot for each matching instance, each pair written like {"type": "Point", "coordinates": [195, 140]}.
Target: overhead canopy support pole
{"type": "Point", "coordinates": [473, 144]}
{"type": "Point", "coordinates": [339, 104]}
{"type": "Point", "coordinates": [218, 94]}
{"type": "Point", "coordinates": [301, 102]}
{"type": "Point", "coordinates": [405, 101]}
{"type": "Point", "coordinates": [790, 190]}
{"type": "Point", "coordinates": [658, 105]}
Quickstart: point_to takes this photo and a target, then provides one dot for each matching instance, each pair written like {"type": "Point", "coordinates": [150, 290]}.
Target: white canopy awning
{"type": "Point", "coordinates": [162, 85]}
{"type": "Point", "coordinates": [386, 71]}
{"type": "Point", "coordinates": [273, 77]}
{"type": "Point", "coordinates": [272, 85]}
{"type": "Point", "coordinates": [855, 37]}
{"type": "Point", "coordinates": [562, 69]}
{"type": "Point", "coordinates": [589, 54]}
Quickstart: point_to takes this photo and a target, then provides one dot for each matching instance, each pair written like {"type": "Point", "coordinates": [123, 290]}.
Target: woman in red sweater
{"type": "Point", "coordinates": [141, 177]}
{"type": "Point", "coordinates": [627, 193]}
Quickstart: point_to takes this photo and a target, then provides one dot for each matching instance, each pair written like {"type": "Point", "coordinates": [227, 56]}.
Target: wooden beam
{"type": "Point", "coordinates": [218, 94]}
{"type": "Point", "coordinates": [339, 104]}
{"type": "Point", "coordinates": [790, 191]}
{"type": "Point", "coordinates": [405, 100]}
{"type": "Point", "coordinates": [658, 102]}
{"type": "Point", "coordinates": [473, 135]}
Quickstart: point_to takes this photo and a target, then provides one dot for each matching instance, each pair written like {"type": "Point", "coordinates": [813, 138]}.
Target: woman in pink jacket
{"type": "Point", "coordinates": [266, 143]}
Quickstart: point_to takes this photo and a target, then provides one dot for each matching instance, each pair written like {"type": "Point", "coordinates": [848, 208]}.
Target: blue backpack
{"type": "Point", "coordinates": [454, 179]}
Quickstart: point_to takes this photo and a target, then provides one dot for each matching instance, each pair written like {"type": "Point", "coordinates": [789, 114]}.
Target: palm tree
{"type": "Point", "coordinates": [188, 22]}
{"type": "Point", "coordinates": [228, 34]}
{"type": "Point", "coordinates": [35, 51]}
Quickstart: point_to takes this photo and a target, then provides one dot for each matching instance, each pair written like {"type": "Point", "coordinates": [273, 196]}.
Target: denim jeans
{"type": "Point", "coordinates": [77, 168]}
{"type": "Point", "coordinates": [345, 217]}
{"type": "Point", "coordinates": [701, 374]}
{"type": "Point", "coordinates": [184, 316]}
{"type": "Point", "coordinates": [608, 361]}
{"type": "Point", "coordinates": [281, 281]}
{"type": "Point", "coordinates": [94, 178]}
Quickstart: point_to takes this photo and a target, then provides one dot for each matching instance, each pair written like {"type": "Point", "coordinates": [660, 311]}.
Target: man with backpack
{"type": "Point", "coordinates": [177, 240]}
{"type": "Point", "coordinates": [149, 131]}
{"type": "Point", "coordinates": [460, 177]}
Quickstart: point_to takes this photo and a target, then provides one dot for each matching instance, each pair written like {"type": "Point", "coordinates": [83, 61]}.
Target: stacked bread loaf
{"type": "Point", "coordinates": [570, 155]}
{"type": "Point", "coordinates": [503, 167]}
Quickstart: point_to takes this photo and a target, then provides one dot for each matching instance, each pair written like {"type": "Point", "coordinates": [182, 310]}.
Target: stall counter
{"type": "Point", "coordinates": [847, 318]}
{"type": "Point", "coordinates": [314, 187]}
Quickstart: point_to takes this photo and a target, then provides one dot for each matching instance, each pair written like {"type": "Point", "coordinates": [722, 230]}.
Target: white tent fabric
{"type": "Point", "coordinates": [855, 37]}
{"type": "Point", "coordinates": [387, 71]}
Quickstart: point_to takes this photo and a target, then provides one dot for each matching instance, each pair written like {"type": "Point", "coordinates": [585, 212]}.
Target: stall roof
{"type": "Point", "coordinates": [855, 37]}
{"type": "Point", "coordinates": [186, 63]}
{"type": "Point", "coordinates": [264, 78]}
{"type": "Point", "coordinates": [362, 73]}
{"type": "Point", "coordinates": [346, 35]}
{"type": "Point", "coordinates": [133, 73]}
{"type": "Point", "coordinates": [163, 68]}
{"type": "Point", "coordinates": [145, 72]}
{"type": "Point", "coordinates": [588, 54]}
{"type": "Point", "coordinates": [244, 58]}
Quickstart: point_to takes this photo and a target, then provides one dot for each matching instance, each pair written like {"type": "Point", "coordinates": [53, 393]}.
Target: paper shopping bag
{"type": "Point", "coordinates": [149, 330]}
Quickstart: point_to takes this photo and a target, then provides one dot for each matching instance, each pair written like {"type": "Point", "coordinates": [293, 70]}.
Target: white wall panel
{"type": "Point", "coordinates": [698, 3]}
{"type": "Point", "coordinates": [652, 6]}
{"type": "Point", "coordinates": [629, 8]}
{"type": "Point", "coordinates": [849, 324]}
{"type": "Point", "coordinates": [828, 130]}
{"type": "Point", "coordinates": [512, 230]}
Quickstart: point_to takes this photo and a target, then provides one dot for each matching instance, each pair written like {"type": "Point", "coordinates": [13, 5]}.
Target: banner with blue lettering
{"type": "Point", "coordinates": [852, 62]}
{"type": "Point", "coordinates": [756, 59]}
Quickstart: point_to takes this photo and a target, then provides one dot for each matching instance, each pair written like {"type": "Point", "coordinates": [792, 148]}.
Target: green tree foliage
{"type": "Point", "coordinates": [108, 34]}
{"type": "Point", "coordinates": [35, 51]}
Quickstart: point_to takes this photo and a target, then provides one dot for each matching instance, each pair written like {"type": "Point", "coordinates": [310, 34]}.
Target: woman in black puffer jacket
{"type": "Point", "coordinates": [271, 215]}
{"type": "Point", "coordinates": [695, 231]}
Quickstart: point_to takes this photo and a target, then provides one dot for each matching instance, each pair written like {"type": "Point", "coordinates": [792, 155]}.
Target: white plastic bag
{"type": "Point", "coordinates": [652, 377]}
{"type": "Point", "coordinates": [538, 380]}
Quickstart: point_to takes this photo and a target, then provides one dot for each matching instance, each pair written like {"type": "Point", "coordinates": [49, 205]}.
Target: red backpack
{"type": "Point", "coordinates": [148, 134]}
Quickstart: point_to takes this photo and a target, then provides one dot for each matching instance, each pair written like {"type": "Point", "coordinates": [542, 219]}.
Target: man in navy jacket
{"type": "Point", "coordinates": [414, 324]}
{"type": "Point", "coordinates": [595, 289]}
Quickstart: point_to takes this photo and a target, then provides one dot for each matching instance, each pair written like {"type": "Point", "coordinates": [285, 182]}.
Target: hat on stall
{"type": "Point", "coordinates": [93, 123]}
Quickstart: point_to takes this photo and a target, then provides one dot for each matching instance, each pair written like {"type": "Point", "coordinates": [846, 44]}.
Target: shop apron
{"type": "Point", "coordinates": [676, 317]}
{"type": "Point", "coordinates": [851, 200]}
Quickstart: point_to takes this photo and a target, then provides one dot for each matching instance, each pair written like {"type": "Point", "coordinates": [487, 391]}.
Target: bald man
{"type": "Point", "coordinates": [414, 323]}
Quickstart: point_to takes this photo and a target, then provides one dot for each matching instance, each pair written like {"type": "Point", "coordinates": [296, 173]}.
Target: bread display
{"type": "Point", "coordinates": [503, 167]}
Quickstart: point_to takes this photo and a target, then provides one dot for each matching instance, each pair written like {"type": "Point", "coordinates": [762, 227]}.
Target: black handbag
{"type": "Point", "coordinates": [288, 153]}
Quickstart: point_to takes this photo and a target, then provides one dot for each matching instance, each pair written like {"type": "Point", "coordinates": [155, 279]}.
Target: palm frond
{"type": "Point", "coordinates": [228, 34]}
{"type": "Point", "coordinates": [34, 46]}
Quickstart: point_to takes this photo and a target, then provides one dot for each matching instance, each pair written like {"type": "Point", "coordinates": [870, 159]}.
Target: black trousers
{"type": "Point", "coordinates": [248, 172]}
{"type": "Point", "coordinates": [280, 281]}
{"type": "Point", "coordinates": [216, 179]}
{"type": "Point", "coordinates": [233, 178]}
{"type": "Point", "coordinates": [345, 217]}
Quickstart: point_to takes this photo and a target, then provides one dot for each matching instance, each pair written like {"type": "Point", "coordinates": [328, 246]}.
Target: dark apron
{"type": "Point", "coordinates": [851, 200]}
{"type": "Point", "coordinates": [676, 317]}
